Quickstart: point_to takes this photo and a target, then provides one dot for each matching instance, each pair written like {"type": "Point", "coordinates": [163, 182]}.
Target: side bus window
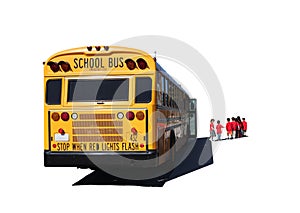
{"type": "Point", "coordinates": [143, 90]}
{"type": "Point", "coordinates": [163, 90]}
{"type": "Point", "coordinates": [166, 92]}
{"type": "Point", "coordinates": [158, 89]}
{"type": "Point", "coordinates": [53, 92]}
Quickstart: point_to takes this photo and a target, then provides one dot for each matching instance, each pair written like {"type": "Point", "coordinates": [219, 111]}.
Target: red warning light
{"type": "Point", "coordinates": [53, 66]}
{"type": "Point", "coordinates": [65, 66]}
{"type": "Point", "coordinates": [142, 64]}
{"type": "Point", "coordinates": [130, 64]}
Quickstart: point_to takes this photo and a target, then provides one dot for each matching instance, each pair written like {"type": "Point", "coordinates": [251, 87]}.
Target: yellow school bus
{"type": "Point", "coordinates": [108, 101]}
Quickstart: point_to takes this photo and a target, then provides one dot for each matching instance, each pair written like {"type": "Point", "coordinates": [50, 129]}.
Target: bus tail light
{"type": "Point", "coordinates": [130, 115]}
{"type": "Point", "coordinates": [53, 66]}
{"type": "Point", "coordinates": [142, 64]}
{"type": "Point", "coordinates": [55, 116]}
{"type": "Point", "coordinates": [130, 64]}
{"type": "Point", "coordinates": [140, 115]}
{"type": "Point", "coordinates": [65, 116]}
{"type": "Point", "coordinates": [142, 145]}
{"type": "Point", "coordinates": [65, 66]}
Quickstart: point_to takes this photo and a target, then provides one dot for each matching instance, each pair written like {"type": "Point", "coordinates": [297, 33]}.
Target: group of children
{"type": "Point", "coordinates": [235, 128]}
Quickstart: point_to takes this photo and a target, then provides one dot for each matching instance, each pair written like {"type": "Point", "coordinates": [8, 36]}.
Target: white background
{"type": "Point", "coordinates": [254, 48]}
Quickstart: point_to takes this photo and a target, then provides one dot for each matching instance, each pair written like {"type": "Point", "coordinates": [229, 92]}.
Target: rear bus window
{"type": "Point", "coordinates": [143, 90]}
{"type": "Point", "coordinates": [53, 92]}
{"type": "Point", "coordinates": [91, 90]}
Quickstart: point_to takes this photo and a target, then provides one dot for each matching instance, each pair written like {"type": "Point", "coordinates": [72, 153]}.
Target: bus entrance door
{"type": "Point", "coordinates": [192, 122]}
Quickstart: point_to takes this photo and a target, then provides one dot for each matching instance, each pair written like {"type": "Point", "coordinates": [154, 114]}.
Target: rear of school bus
{"type": "Point", "coordinates": [98, 106]}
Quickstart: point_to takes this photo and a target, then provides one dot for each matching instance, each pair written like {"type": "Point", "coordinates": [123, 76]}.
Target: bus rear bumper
{"type": "Point", "coordinates": [96, 160]}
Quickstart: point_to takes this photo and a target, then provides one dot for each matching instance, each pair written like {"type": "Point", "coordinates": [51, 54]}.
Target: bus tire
{"type": "Point", "coordinates": [172, 148]}
{"type": "Point", "coordinates": [172, 138]}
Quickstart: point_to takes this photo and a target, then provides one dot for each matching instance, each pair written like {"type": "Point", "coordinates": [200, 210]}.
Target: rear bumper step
{"type": "Point", "coordinates": [94, 160]}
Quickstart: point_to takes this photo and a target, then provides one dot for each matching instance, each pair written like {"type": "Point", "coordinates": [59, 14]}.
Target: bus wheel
{"type": "Point", "coordinates": [172, 139]}
{"type": "Point", "coordinates": [172, 148]}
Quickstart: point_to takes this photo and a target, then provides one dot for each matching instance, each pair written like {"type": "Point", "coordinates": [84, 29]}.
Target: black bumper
{"type": "Point", "coordinates": [94, 160]}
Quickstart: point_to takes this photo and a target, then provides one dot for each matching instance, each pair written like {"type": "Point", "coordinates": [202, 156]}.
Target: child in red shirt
{"type": "Point", "coordinates": [229, 128]}
{"type": "Point", "coordinates": [233, 126]}
{"type": "Point", "coordinates": [244, 126]}
{"type": "Point", "coordinates": [219, 130]}
{"type": "Point", "coordinates": [212, 129]}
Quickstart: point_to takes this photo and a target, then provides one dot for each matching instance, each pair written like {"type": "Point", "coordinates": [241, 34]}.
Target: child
{"type": "Point", "coordinates": [244, 126]}
{"type": "Point", "coordinates": [229, 129]}
{"type": "Point", "coordinates": [219, 130]}
{"type": "Point", "coordinates": [239, 127]}
{"type": "Point", "coordinates": [233, 126]}
{"type": "Point", "coordinates": [212, 129]}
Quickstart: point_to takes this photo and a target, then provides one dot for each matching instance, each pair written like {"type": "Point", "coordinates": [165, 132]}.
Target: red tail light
{"type": "Point", "coordinates": [140, 115]}
{"type": "Point", "coordinates": [142, 145]}
{"type": "Point", "coordinates": [130, 115]}
{"type": "Point", "coordinates": [142, 64]}
{"type": "Point", "coordinates": [55, 116]}
{"type": "Point", "coordinates": [65, 66]}
{"type": "Point", "coordinates": [53, 66]}
{"type": "Point", "coordinates": [61, 131]}
{"type": "Point", "coordinates": [130, 64]}
{"type": "Point", "coordinates": [65, 116]}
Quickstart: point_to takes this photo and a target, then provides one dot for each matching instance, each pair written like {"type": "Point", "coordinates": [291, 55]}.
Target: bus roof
{"type": "Point", "coordinates": [99, 60]}
{"type": "Point", "coordinates": [96, 50]}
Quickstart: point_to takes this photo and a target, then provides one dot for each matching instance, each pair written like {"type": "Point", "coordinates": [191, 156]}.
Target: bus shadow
{"type": "Point", "coordinates": [199, 155]}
